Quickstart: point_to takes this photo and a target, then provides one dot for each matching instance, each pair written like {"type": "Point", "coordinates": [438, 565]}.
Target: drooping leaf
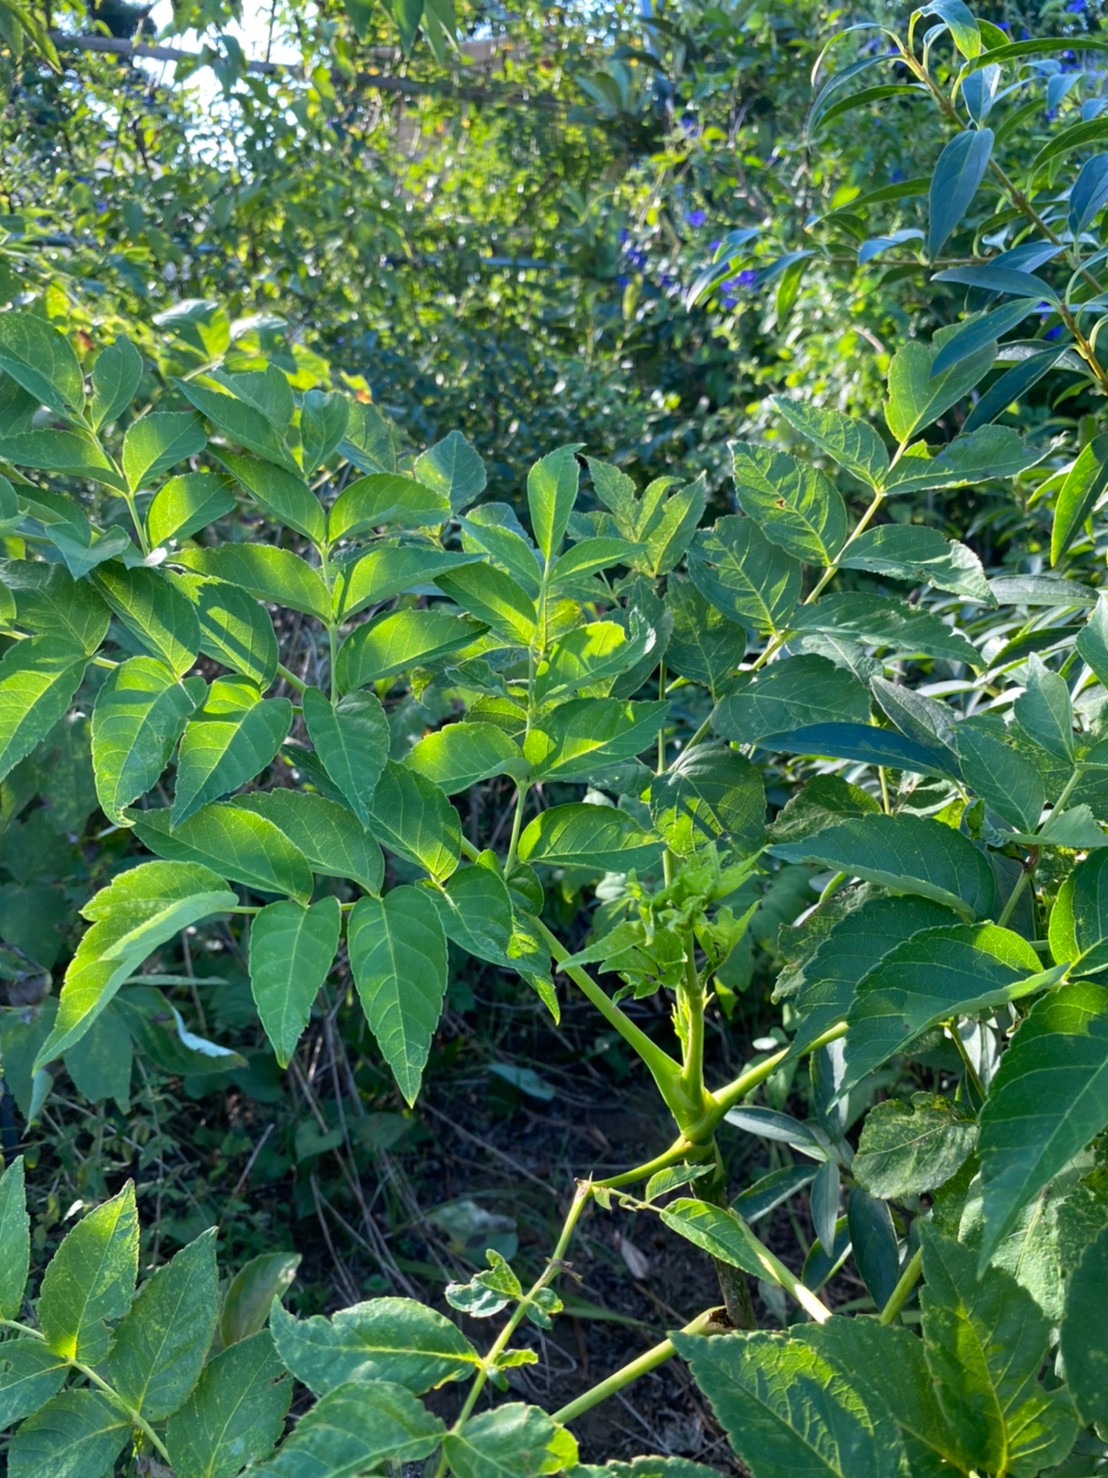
{"type": "Point", "coordinates": [886, 624]}
{"type": "Point", "coordinates": [387, 1339]}
{"type": "Point", "coordinates": [90, 1279]}
{"type": "Point", "coordinates": [906, 854]}
{"type": "Point", "coordinates": [77, 1432]}
{"type": "Point", "coordinates": [1048, 1100]}
{"type": "Point", "coordinates": [353, 1429]}
{"type": "Point", "coordinates": [139, 910]}
{"type": "Point", "coordinates": [912, 552]}
{"type": "Point", "coordinates": [161, 1345]}
{"type": "Point", "coordinates": [412, 816]}
{"type": "Point", "coordinates": [790, 694]}
{"type": "Point", "coordinates": [15, 1240]}
{"type": "Point", "coordinates": [960, 169]}
{"type": "Point", "coordinates": [398, 959]}
{"type": "Point", "coordinates": [1083, 1347]}
{"type": "Point", "coordinates": [250, 1294]}
{"type": "Point", "coordinates": [986, 452]}
{"type": "Point", "coordinates": [291, 952]}
{"type": "Point", "coordinates": [398, 641]}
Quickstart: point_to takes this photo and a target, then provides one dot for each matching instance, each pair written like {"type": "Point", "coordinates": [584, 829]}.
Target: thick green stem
{"type": "Point", "coordinates": [665, 1071]}
{"type": "Point", "coordinates": [690, 999]}
{"type": "Point", "coordinates": [517, 827]}
{"type": "Point", "coordinates": [553, 1267]}
{"type": "Point", "coordinates": [905, 1283]}
{"type": "Point", "coordinates": [706, 1323]}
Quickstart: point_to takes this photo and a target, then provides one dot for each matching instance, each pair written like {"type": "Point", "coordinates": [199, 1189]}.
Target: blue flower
{"type": "Point", "coordinates": [715, 245]}
{"type": "Point", "coordinates": [667, 281]}
{"type": "Point", "coordinates": [622, 280]}
{"type": "Point", "coordinates": [747, 278]}
{"type": "Point", "coordinates": [696, 218]}
{"type": "Point", "coordinates": [1075, 7]}
{"type": "Point", "coordinates": [636, 258]}
{"type": "Point", "coordinates": [1004, 25]}
{"type": "Point", "coordinates": [1053, 333]}
{"type": "Point", "coordinates": [624, 237]}
{"type": "Point", "coordinates": [897, 176]}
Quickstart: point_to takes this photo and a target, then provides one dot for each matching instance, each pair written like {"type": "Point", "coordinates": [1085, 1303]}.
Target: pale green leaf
{"type": "Point", "coordinates": [230, 740]}
{"type": "Point", "coordinates": [385, 571]}
{"type": "Point", "coordinates": [154, 611]}
{"type": "Point", "coordinates": [748, 579]}
{"type": "Point", "coordinates": [709, 795]}
{"type": "Point", "coordinates": [234, 629]}
{"type": "Point", "coordinates": [334, 842]}
{"type": "Point", "coordinates": [853, 444]}
{"type": "Point", "coordinates": [140, 713]}
{"type": "Point", "coordinates": [494, 598]}
{"type": "Point", "coordinates": [186, 504]}
{"type": "Point", "coordinates": [585, 734]}
{"type": "Point", "coordinates": [459, 755]}
{"type": "Point", "coordinates": [512, 1441]}
{"type": "Point", "coordinates": [397, 641]}
{"type": "Point", "coordinates": [29, 1375]}
{"type": "Point", "coordinates": [90, 1279]}
{"type": "Point", "coordinates": [451, 467]}
{"type": "Point", "coordinates": [908, 1148]}
{"type": "Point", "coordinates": [597, 837]}
{"type": "Point", "coordinates": [235, 843]}
{"type": "Point", "coordinates": [158, 441]}
{"type": "Point", "coordinates": [384, 499]}
{"type": "Point", "coordinates": [551, 493]}
{"type": "Point", "coordinates": [793, 503]}
{"type": "Point", "coordinates": [42, 361]}
{"type": "Point", "coordinates": [1078, 496]}
{"type": "Point", "coordinates": [38, 678]}
{"type": "Point", "coordinates": [282, 494]}
{"type": "Point", "coordinates": [116, 376]}
{"type": "Point", "coordinates": [276, 576]}
{"type": "Point", "coordinates": [15, 1240]}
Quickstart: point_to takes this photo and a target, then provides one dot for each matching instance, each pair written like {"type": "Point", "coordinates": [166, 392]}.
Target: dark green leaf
{"type": "Point", "coordinates": [959, 171]}
{"type": "Point", "coordinates": [292, 949]}
{"type": "Point", "coordinates": [236, 1413]}
{"type": "Point", "coordinates": [795, 505]}
{"type": "Point", "coordinates": [908, 1148]}
{"type": "Point", "coordinates": [352, 740]}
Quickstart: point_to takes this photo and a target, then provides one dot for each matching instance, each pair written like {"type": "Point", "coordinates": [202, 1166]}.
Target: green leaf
{"type": "Point", "coordinates": [911, 552]}
{"type": "Point", "coordinates": [15, 1240]}
{"type": "Point", "coordinates": [162, 619]}
{"type": "Point", "coordinates": [157, 442]}
{"type": "Point", "coordinates": [596, 655]}
{"type": "Point", "coordinates": [705, 646]}
{"type": "Point", "coordinates": [29, 1375]}
{"type": "Point", "coordinates": [140, 713]}
{"type": "Point", "coordinates": [494, 598]}
{"type": "Point", "coordinates": [906, 854]}
{"type": "Point", "coordinates": [91, 1278]}
{"type": "Point", "coordinates": [274, 575]}
{"type": "Point", "coordinates": [235, 1415]}
{"type": "Point", "coordinates": [852, 444]}
{"type": "Point", "coordinates": [494, 531]}
{"type": "Point", "coordinates": [413, 818]}
{"type": "Point", "coordinates": [42, 361]}
{"type": "Point", "coordinates": [1078, 496]}
{"type": "Point", "coordinates": [287, 497]}
{"type": "Point", "coordinates": [386, 1339]}
{"type": "Point", "coordinates": [710, 794]}
{"type": "Point", "coordinates": [908, 1148]}
{"type": "Point", "coordinates": [595, 837]}
{"type": "Point", "coordinates": [475, 907]}
{"type": "Point", "coordinates": [353, 1429]}
{"type": "Point", "coordinates": [137, 911]}
{"type": "Point", "coordinates": [1004, 778]}
{"type": "Point", "coordinates": [234, 842]}
{"type": "Point", "coordinates": [186, 504]}
{"type": "Point", "coordinates": [397, 641]}
{"type": "Point", "coordinates": [1084, 1351]}
{"type": "Point", "coordinates": [866, 743]}
{"type": "Point", "coordinates": [102, 1062]}
{"type": "Point", "coordinates": [720, 1232]}
{"type": "Point", "coordinates": [513, 1441]}
{"type": "Point", "coordinates": [218, 398]}
{"type": "Point", "coordinates": [795, 505]}
{"type": "Point", "coordinates": [249, 1298]}
{"type": "Point", "coordinates": [786, 1410]}
{"type": "Point", "coordinates": [291, 952]}
{"type": "Point", "coordinates": [988, 453]}
{"type": "Point", "coordinates": [352, 740]}
{"type": "Point", "coordinates": [323, 417]}
{"type": "Point", "coordinates": [937, 974]}
{"type": "Point", "coordinates": [459, 755]}
{"type": "Point", "coordinates": [398, 959]}
{"type": "Point", "coordinates": [74, 452]}
{"type": "Point", "coordinates": [886, 624]}
{"type": "Point", "coordinates": [583, 735]}
{"type": "Point", "coordinates": [985, 1344]}
{"type": "Point", "coordinates": [983, 329]}
{"type": "Point", "coordinates": [959, 171]}
{"type": "Point", "coordinates": [334, 842]}
{"type": "Point", "coordinates": [918, 396]}
{"type": "Point", "coordinates": [387, 570]}
{"type": "Point", "coordinates": [551, 493]}
{"type": "Point", "coordinates": [161, 1344]}
{"type": "Point", "coordinates": [1044, 711]}
{"type": "Point", "coordinates": [1048, 1100]}
{"type": "Point", "coordinates": [116, 376]}
{"type": "Point", "coordinates": [1092, 641]}
{"type": "Point", "coordinates": [1078, 929]}
{"type": "Point", "coordinates": [74, 1435]}
{"type": "Point", "coordinates": [743, 575]}
{"type": "Point", "coordinates": [383, 499]}
{"type": "Point", "coordinates": [234, 629]}
{"type": "Point", "coordinates": [368, 441]}
{"type": "Point", "coordinates": [1089, 193]}
{"type": "Point", "coordinates": [38, 678]}
{"type": "Point", "coordinates": [789, 694]}
{"type": "Point", "coordinates": [453, 469]}
{"type": "Point", "coordinates": [230, 740]}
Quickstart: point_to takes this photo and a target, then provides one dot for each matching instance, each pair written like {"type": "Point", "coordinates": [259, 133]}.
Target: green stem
{"type": "Point", "coordinates": [517, 826]}
{"type": "Point", "coordinates": [734, 1092]}
{"type": "Point", "coordinates": [553, 1267]}
{"type": "Point", "coordinates": [292, 679]}
{"type": "Point", "coordinates": [96, 1380]}
{"type": "Point", "coordinates": [665, 1071]}
{"type": "Point", "coordinates": [706, 1323]}
{"type": "Point", "coordinates": [1025, 875]}
{"type": "Point", "coordinates": [905, 1283]}
{"type": "Point", "coordinates": [691, 1006]}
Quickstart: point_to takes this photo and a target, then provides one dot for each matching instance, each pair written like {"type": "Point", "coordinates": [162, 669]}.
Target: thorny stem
{"type": "Point", "coordinates": [706, 1323]}
{"type": "Point", "coordinates": [554, 1266]}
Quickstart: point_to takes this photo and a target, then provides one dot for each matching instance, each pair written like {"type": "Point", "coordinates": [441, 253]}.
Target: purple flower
{"type": "Point", "coordinates": [636, 258]}
{"type": "Point", "coordinates": [715, 245]}
{"type": "Point", "coordinates": [696, 218]}
{"type": "Point", "coordinates": [1053, 333]}
{"type": "Point", "coordinates": [1075, 7]}
{"type": "Point", "coordinates": [897, 176]}
{"type": "Point", "coordinates": [748, 277]}
{"type": "Point", "coordinates": [667, 281]}
{"type": "Point", "coordinates": [622, 280]}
